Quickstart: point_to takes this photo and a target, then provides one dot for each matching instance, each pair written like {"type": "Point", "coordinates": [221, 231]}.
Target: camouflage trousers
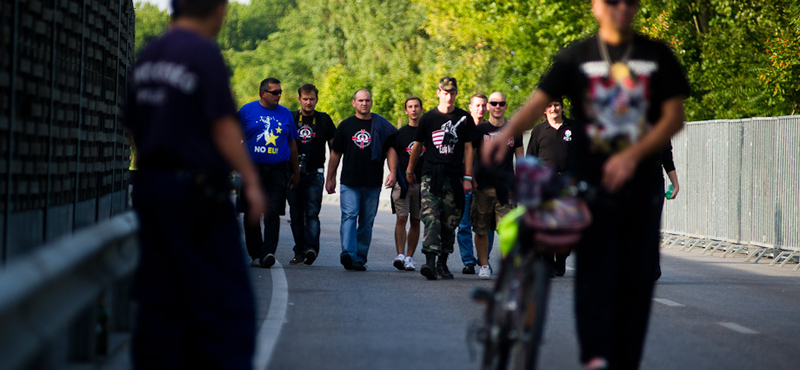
{"type": "Point", "coordinates": [441, 216]}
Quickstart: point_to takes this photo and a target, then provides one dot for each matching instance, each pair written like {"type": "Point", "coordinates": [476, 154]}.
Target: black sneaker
{"type": "Point", "coordinates": [298, 259]}
{"type": "Point", "coordinates": [445, 273]}
{"type": "Point", "coordinates": [268, 261]}
{"type": "Point", "coordinates": [469, 269]}
{"type": "Point", "coordinates": [428, 271]}
{"type": "Point", "coordinates": [346, 261]}
{"type": "Point", "coordinates": [359, 266]}
{"type": "Point", "coordinates": [311, 256]}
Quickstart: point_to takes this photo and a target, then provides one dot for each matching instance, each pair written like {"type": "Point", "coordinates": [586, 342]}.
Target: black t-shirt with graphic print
{"type": "Point", "coordinates": [613, 106]}
{"type": "Point", "coordinates": [551, 145]}
{"type": "Point", "coordinates": [443, 135]}
{"type": "Point", "coordinates": [405, 141]}
{"type": "Point", "coordinates": [353, 139]}
{"type": "Point", "coordinates": [312, 134]}
{"type": "Point", "coordinates": [497, 175]}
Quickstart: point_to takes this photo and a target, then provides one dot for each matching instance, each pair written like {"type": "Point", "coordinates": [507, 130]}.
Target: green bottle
{"type": "Point", "coordinates": [670, 189]}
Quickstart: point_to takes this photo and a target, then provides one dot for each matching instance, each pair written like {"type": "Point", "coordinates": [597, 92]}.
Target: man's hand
{"type": "Point", "coordinates": [494, 151]}
{"type": "Point", "coordinates": [618, 170]}
{"type": "Point", "coordinates": [390, 180]}
{"type": "Point", "coordinates": [294, 180]}
{"type": "Point", "coordinates": [411, 178]}
{"type": "Point", "coordinates": [256, 201]}
{"type": "Point", "coordinates": [467, 186]}
{"type": "Point", "coordinates": [330, 186]}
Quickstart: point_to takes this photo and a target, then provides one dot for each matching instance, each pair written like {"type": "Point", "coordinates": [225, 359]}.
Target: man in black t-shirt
{"type": "Point", "coordinates": [195, 300]}
{"type": "Point", "coordinates": [405, 196]}
{"type": "Point", "coordinates": [364, 140]}
{"type": "Point", "coordinates": [550, 142]}
{"type": "Point", "coordinates": [446, 132]}
{"type": "Point", "coordinates": [314, 130]}
{"type": "Point", "coordinates": [628, 96]}
{"type": "Point", "coordinates": [491, 198]}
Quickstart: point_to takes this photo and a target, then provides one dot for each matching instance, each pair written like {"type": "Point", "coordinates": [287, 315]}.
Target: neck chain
{"type": "Point", "coordinates": [607, 58]}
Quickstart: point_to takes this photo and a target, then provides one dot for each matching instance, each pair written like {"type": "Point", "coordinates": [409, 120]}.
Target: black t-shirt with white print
{"type": "Point", "coordinates": [313, 132]}
{"type": "Point", "coordinates": [405, 141]}
{"type": "Point", "coordinates": [353, 139]}
{"type": "Point", "coordinates": [443, 135]}
{"type": "Point", "coordinates": [615, 105]}
{"type": "Point", "coordinates": [497, 175]}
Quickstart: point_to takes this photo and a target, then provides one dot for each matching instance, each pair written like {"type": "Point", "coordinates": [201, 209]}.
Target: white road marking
{"type": "Point", "coordinates": [738, 328]}
{"type": "Point", "coordinates": [271, 327]}
{"type": "Point", "coordinates": [668, 302]}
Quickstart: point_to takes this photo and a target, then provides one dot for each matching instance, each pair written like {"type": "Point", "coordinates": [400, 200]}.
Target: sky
{"type": "Point", "coordinates": [164, 4]}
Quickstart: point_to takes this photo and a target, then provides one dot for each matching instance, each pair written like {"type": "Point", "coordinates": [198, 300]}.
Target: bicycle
{"type": "Point", "coordinates": [550, 220]}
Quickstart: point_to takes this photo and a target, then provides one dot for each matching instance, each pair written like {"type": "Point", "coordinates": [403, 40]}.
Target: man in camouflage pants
{"type": "Point", "coordinates": [446, 133]}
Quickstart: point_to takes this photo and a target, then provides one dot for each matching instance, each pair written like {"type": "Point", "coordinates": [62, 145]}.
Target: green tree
{"type": "Point", "coordinates": [150, 22]}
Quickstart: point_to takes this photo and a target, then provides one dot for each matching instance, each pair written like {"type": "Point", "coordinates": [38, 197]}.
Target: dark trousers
{"type": "Point", "coordinates": [274, 182]}
{"type": "Point", "coordinates": [305, 202]}
{"type": "Point", "coordinates": [196, 308]}
{"type": "Point", "coordinates": [616, 264]}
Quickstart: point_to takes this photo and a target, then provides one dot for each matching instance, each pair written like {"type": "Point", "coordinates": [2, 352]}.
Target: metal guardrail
{"type": "Point", "coordinates": [50, 301]}
{"type": "Point", "coordinates": [740, 187]}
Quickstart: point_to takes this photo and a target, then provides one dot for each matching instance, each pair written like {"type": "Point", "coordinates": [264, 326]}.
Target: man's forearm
{"type": "Point", "coordinates": [227, 137]}
{"type": "Point", "coordinates": [672, 120]}
{"type": "Point", "coordinates": [469, 153]}
{"type": "Point", "coordinates": [333, 164]}
{"type": "Point", "coordinates": [416, 149]}
{"type": "Point", "coordinates": [527, 116]}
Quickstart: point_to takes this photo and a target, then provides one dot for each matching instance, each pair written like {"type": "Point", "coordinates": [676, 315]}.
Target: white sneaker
{"type": "Point", "coordinates": [256, 262]}
{"type": "Point", "coordinates": [485, 272]}
{"type": "Point", "coordinates": [399, 262]}
{"type": "Point", "coordinates": [410, 264]}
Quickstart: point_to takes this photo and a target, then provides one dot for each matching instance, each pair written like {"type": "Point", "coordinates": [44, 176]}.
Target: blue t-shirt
{"type": "Point", "coordinates": [267, 132]}
{"type": "Point", "coordinates": [178, 88]}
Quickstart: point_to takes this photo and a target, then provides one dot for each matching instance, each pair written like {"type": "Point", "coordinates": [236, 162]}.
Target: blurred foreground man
{"type": "Point", "coordinates": [627, 92]}
{"type": "Point", "coordinates": [196, 308]}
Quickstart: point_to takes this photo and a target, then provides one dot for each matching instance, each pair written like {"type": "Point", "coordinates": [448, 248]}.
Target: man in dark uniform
{"type": "Point", "coordinates": [314, 130]}
{"type": "Point", "coordinates": [628, 96]}
{"type": "Point", "coordinates": [196, 308]}
{"type": "Point", "coordinates": [550, 142]}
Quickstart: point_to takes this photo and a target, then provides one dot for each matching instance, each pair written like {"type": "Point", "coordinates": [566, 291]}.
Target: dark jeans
{"type": "Point", "coordinates": [196, 308]}
{"type": "Point", "coordinates": [305, 202]}
{"type": "Point", "coordinates": [616, 263]}
{"type": "Point", "coordinates": [274, 181]}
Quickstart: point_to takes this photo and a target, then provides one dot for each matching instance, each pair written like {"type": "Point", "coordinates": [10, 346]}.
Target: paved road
{"type": "Point", "coordinates": [710, 313]}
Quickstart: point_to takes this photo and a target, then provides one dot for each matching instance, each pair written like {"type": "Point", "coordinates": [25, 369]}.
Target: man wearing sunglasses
{"type": "Point", "coordinates": [628, 96]}
{"type": "Point", "coordinates": [270, 135]}
{"type": "Point", "coordinates": [491, 189]}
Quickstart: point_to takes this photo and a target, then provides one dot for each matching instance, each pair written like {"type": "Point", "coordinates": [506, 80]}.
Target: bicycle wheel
{"type": "Point", "coordinates": [529, 317]}
{"type": "Point", "coordinates": [495, 334]}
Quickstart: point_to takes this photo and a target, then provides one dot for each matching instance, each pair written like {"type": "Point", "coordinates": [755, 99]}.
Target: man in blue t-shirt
{"type": "Point", "coordinates": [270, 135]}
{"type": "Point", "coordinates": [195, 300]}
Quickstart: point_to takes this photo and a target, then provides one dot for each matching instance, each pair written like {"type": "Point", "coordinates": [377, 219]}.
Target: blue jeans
{"type": "Point", "coordinates": [359, 206]}
{"type": "Point", "coordinates": [464, 235]}
{"type": "Point", "coordinates": [305, 202]}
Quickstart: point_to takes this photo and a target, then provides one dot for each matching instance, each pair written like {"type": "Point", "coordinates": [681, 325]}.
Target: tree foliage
{"type": "Point", "coordinates": [741, 56]}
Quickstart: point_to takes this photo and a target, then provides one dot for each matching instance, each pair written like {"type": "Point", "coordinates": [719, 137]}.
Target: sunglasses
{"type": "Point", "coordinates": [274, 92]}
{"type": "Point", "coordinates": [616, 2]}
{"type": "Point", "coordinates": [496, 103]}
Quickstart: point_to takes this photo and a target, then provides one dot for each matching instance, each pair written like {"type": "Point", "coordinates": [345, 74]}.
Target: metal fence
{"type": "Point", "coordinates": [63, 70]}
{"type": "Point", "coordinates": [740, 183]}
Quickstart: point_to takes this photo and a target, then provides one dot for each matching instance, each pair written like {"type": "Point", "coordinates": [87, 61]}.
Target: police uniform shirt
{"type": "Point", "coordinates": [313, 133]}
{"type": "Point", "coordinates": [614, 105]}
{"type": "Point", "coordinates": [552, 145]}
{"type": "Point", "coordinates": [353, 139]}
{"type": "Point", "coordinates": [178, 88]}
{"type": "Point", "coordinates": [267, 132]}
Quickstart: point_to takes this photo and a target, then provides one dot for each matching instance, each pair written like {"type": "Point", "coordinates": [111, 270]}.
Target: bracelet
{"type": "Point", "coordinates": [409, 174]}
{"type": "Point", "coordinates": [467, 178]}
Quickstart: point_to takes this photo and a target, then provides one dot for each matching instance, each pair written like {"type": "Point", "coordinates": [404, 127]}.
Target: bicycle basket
{"type": "Point", "coordinates": [558, 223]}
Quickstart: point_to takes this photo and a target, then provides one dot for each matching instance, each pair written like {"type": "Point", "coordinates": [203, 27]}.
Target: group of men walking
{"type": "Point", "coordinates": [196, 307]}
